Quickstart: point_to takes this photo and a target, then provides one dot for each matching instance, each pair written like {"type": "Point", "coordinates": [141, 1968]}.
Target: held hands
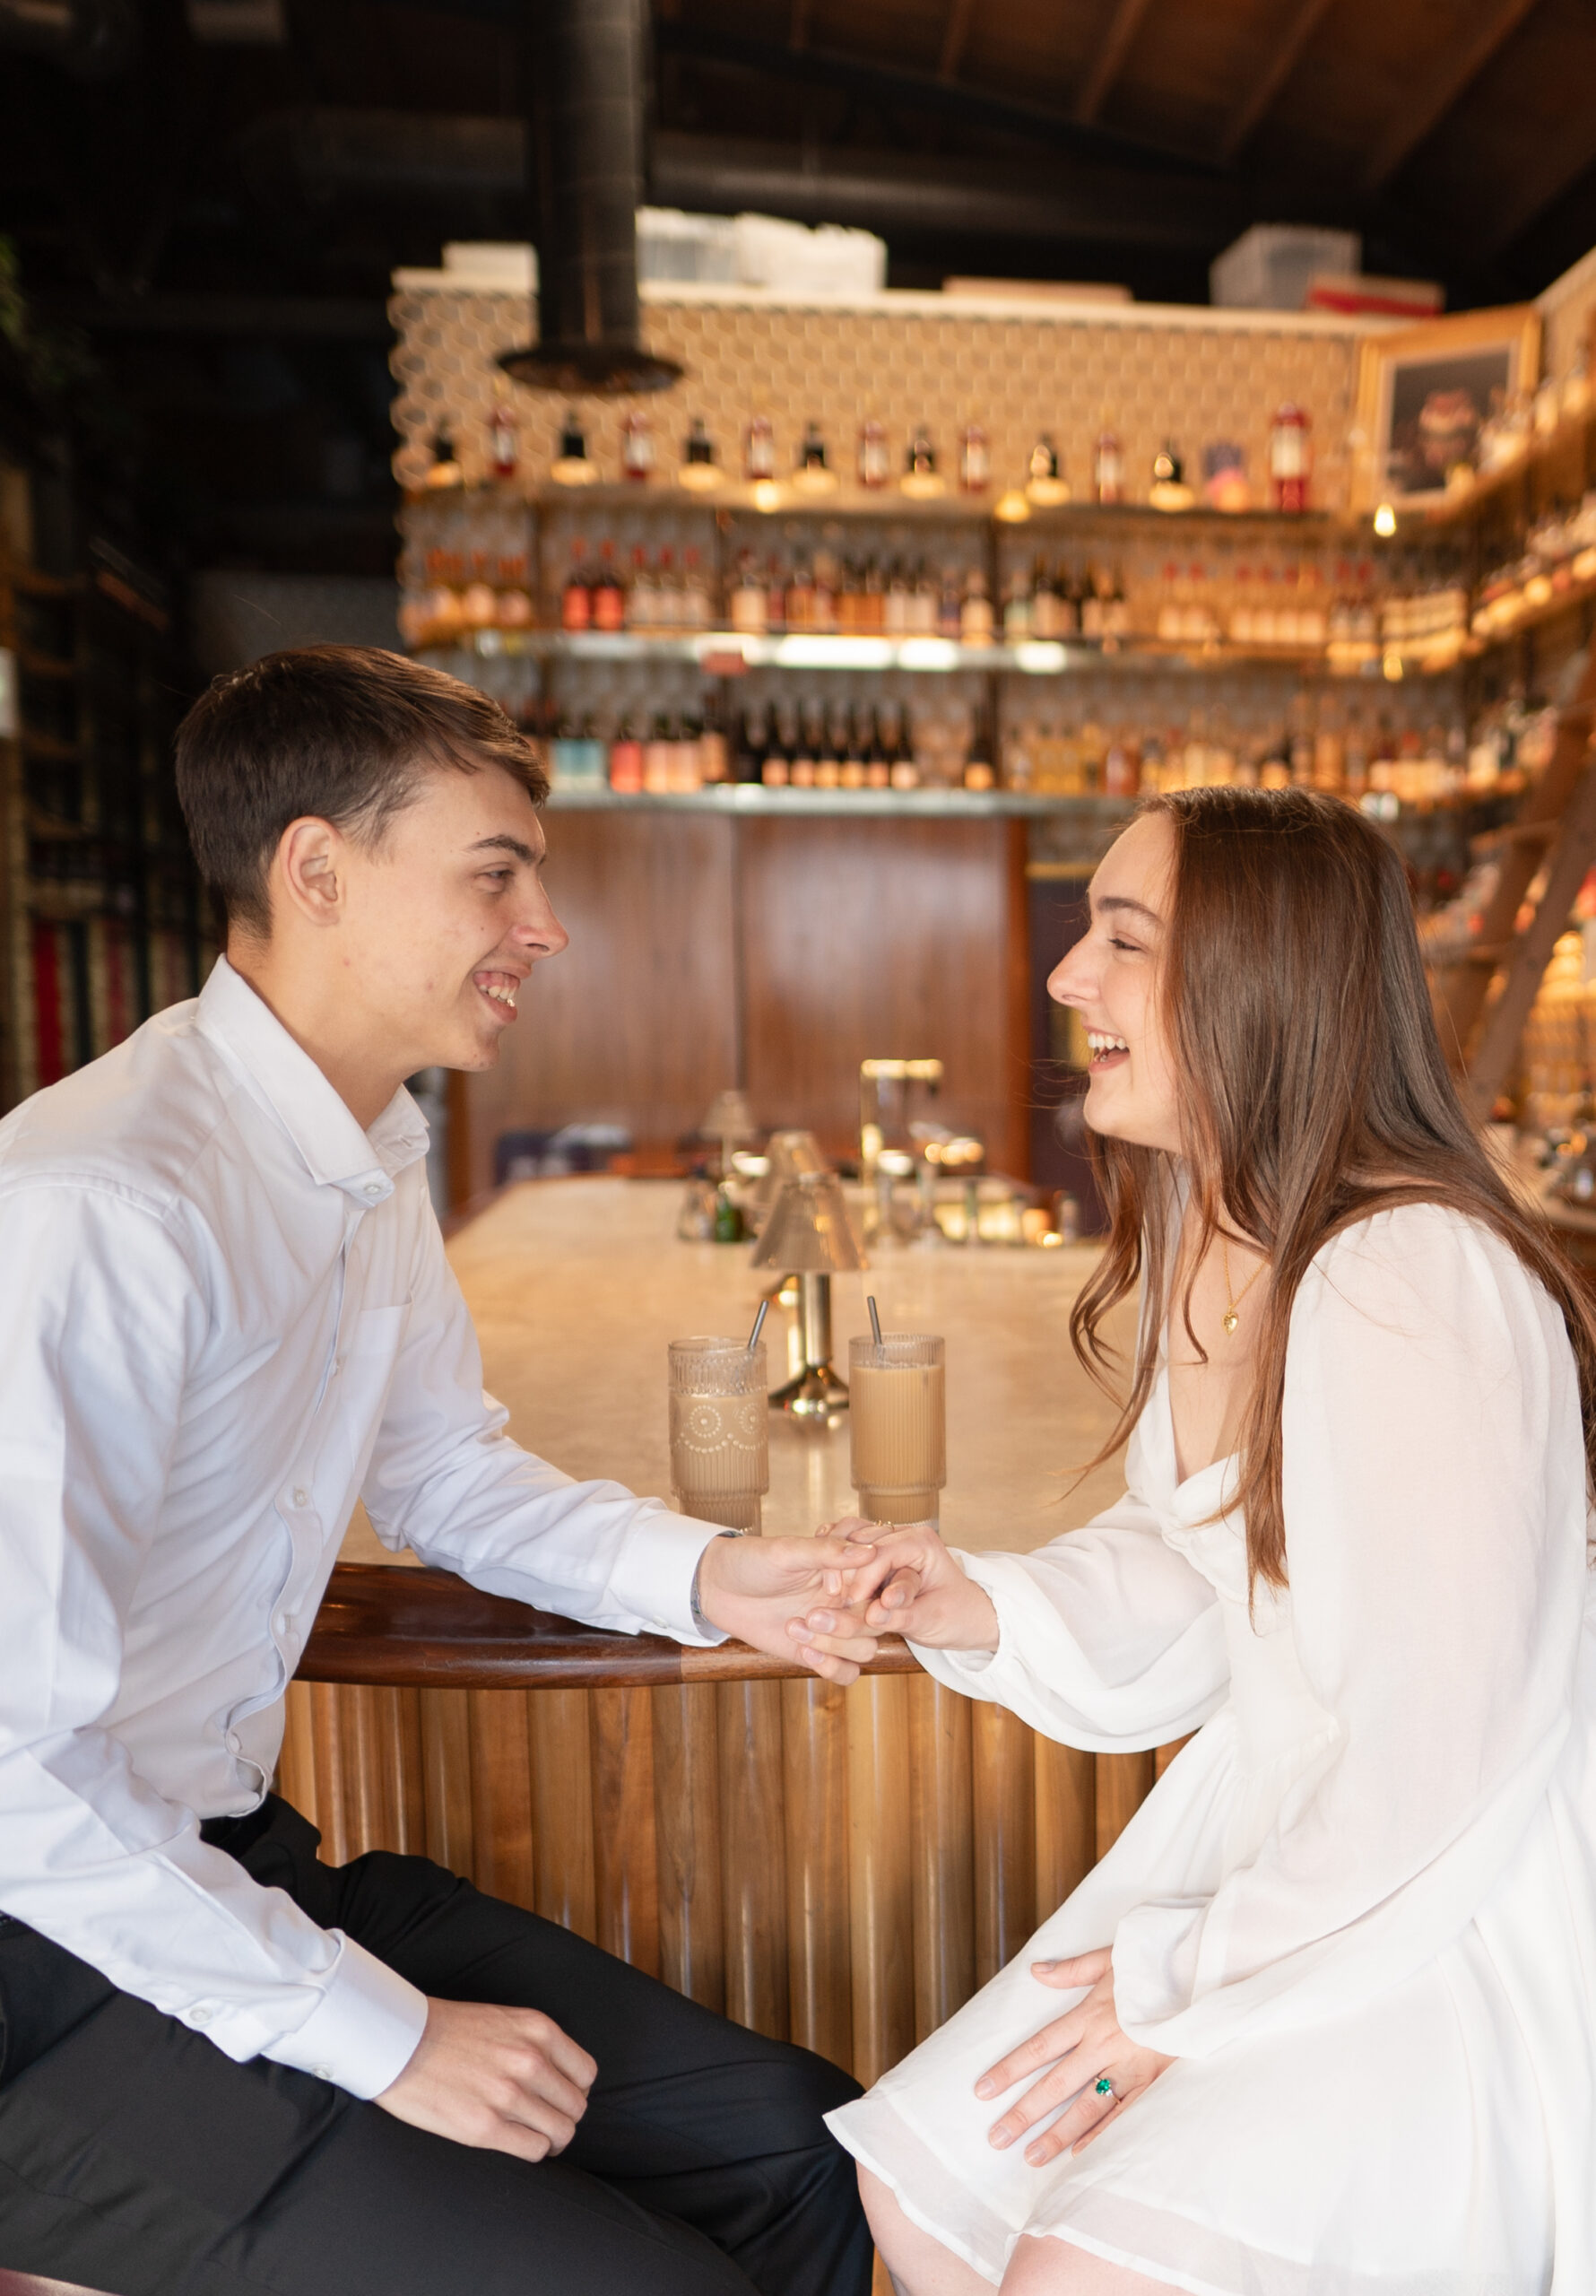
{"type": "Point", "coordinates": [759, 1589]}
{"type": "Point", "coordinates": [1083, 2048]}
{"type": "Point", "coordinates": [900, 1580]}
{"type": "Point", "coordinates": [504, 2080]}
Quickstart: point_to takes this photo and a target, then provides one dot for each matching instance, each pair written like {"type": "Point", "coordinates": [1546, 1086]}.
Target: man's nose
{"type": "Point", "coordinates": [541, 934]}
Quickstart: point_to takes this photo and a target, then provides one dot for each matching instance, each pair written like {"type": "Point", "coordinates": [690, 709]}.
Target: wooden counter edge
{"type": "Point", "coordinates": [394, 1627]}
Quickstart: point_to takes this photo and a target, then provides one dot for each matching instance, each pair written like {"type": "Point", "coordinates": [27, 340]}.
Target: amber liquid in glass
{"type": "Point", "coordinates": [898, 1420]}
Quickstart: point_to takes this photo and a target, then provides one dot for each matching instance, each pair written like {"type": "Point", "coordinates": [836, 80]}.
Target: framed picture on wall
{"type": "Point", "coordinates": [1423, 397]}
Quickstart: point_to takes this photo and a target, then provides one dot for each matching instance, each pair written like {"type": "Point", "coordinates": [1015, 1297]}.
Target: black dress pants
{"type": "Point", "coordinates": [135, 2158]}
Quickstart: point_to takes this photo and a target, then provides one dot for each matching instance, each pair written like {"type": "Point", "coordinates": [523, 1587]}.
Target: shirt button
{"type": "Point", "coordinates": [301, 1498]}
{"type": "Point", "coordinates": [232, 1741]}
{"type": "Point", "coordinates": [374, 1188]}
{"type": "Point", "coordinates": [321, 2072]}
{"type": "Point", "coordinates": [200, 2015]}
{"type": "Point", "coordinates": [279, 1623]}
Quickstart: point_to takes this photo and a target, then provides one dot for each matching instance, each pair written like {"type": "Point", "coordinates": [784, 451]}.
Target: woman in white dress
{"type": "Point", "coordinates": [1322, 2022]}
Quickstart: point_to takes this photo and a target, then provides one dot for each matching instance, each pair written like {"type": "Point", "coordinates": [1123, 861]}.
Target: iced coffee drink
{"type": "Point", "coordinates": [720, 1456]}
{"type": "Point", "coordinates": [898, 1423]}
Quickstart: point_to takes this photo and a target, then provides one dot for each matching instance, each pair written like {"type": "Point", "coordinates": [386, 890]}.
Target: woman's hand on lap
{"type": "Point", "coordinates": [1082, 2047]}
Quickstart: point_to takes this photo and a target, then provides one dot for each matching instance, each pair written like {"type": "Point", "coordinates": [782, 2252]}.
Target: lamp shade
{"type": "Point", "coordinates": [809, 1232]}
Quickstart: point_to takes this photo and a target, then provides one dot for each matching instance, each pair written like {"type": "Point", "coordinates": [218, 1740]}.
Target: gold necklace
{"type": "Point", "coordinates": [1234, 1299]}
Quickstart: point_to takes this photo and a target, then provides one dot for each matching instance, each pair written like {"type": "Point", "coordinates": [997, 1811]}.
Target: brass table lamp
{"type": "Point", "coordinates": [809, 1235]}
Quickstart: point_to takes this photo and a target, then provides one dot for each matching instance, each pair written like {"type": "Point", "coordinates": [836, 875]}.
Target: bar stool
{"type": "Point", "coordinates": [28, 2283]}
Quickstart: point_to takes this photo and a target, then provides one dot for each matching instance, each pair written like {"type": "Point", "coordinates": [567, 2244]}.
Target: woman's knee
{"type": "Point", "coordinates": [1042, 2266]}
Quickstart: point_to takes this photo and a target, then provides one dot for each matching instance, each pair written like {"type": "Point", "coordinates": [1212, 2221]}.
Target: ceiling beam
{"type": "Point", "coordinates": [955, 34]}
{"type": "Point", "coordinates": [896, 83]}
{"type": "Point", "coordinates": [1426, 105]}
{"type": "Point", "coordinates": [1565, 166]}
{"type": "Point", "coordinates": [1109, 60]}
{"type": "Point", "coordinates": [1276, 71]}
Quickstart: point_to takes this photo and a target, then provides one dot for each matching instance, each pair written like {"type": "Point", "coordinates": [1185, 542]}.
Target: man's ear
{"type": "Point", "coordinates": [307, 871]}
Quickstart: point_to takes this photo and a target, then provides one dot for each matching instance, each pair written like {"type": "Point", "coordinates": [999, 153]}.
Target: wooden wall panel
{"type": "Point", "coordinates": [843, 1867]}
{"type": "Point", "coordinates": [687, 1838]}
{"type": "Point", "coordinates": [635, 1022]}
{"type": "Point", "coordinates": [878, 936]}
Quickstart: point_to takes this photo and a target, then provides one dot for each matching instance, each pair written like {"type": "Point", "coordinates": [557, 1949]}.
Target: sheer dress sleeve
{"type": "Point", "coordinates": [1108, 1640]}
{"type": "Point", "coordinates": [1435, 1514]}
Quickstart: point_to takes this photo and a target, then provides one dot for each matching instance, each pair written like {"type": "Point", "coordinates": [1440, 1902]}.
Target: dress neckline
{"type": "Point", "coordinates": [1183, 1481]}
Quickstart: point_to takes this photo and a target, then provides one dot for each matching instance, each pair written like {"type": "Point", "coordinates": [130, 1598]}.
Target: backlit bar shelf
{"type": "Point", "coordinates": [728, 653]}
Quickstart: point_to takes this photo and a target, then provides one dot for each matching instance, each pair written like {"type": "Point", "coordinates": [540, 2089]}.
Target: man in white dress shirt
{"type": "Point", "coordinates": [224, 2066]}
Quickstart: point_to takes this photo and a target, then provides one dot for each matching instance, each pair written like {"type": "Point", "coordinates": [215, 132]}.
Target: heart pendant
{"type": "Point", "coordinates": [1230, 1321]}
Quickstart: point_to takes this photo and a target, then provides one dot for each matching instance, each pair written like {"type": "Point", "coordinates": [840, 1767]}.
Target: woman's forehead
{"type": "Point", "coordinates": [1137, 867]}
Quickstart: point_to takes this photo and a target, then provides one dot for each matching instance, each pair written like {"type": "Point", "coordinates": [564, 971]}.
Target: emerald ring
{"type": "Point", "coordinates": [1104, 2086]}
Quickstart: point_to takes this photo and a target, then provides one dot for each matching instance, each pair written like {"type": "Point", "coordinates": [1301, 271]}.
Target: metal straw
{"type": "Point", "coordinates": [875, 1321]}
{"type": "Point", "coordinates": [753, 1338]}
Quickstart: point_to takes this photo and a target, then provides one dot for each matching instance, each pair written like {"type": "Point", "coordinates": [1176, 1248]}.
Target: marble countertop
{"type": "Point", "coordinates": [576, 1285]}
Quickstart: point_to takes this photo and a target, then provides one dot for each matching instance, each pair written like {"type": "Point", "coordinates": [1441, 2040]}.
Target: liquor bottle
{"type": "Point", "coordinates": [849, 602]}
{"type": "Point", "coordinates": [1044, 480]}
{"type": "Point", "coordinates": [479, 602]}
{"type": "Point", "coordinates": [975, 613]}
{"type": "Point", "coordinates": [1045, 618]}
{"type": "Point", "coordinates": [695, 592]}
{"type": "Point", "coordinates": [1290, 455]}
{"type": "Point", "coordinates": [852, 748]}
{"type": "Point", "coordinates": [625, 761]}
{"type": "Point", "coordinates": [1091, 606]}
{"type": "Point", "coordinates": [873, 598]}
{"type": "Point", "coordinates": [949, 604]}
{"type": "Point", "coordinates": [752, 743]}
{"type": "Point", "coordinates": [686, 768]}
{"type": "Point", "coordinates": [637, 448]}
{"type": "Point", "coordinates": [759, 450]}
{"type": "Point", "coordinates": [714, 762]}
{"type": "Point", "coordinates": [828, 752]}
{"type": "Point", "coordinates": [922, 605]}
{"type": "Point", "coordinates": [799, 611]}
{"type": "Point", "coordinates": [444, 469]}
{"type": "Point", "coordinates": [975, 460]}
{"type": "Point", "coordinates": [822, 612]}
{"type": "Point", "coordinates": [747, 597]}
{"type": "Point", "coordinates": [503, 446]}
{"type": "Point", "coordinates": [1108, 468]}
{"type": "Point", "coordinates": [576, 600]}
{"type": "Point", "coordinates": [875, 460]}
{"type": "Point", "coordinates": [1066, 589]}
{"type": "Point", "coordinates": [896, 602]}
{"type": "Point", "coordinates": [1169, 490]}
{"type": "Point", "coordinates": [667, 595]}
{"type": "Point", "coordinates": [659, 756]}
{"type": "Point", "coordinates": [775, 594]}
{"type": "Point", "coordinates": [878, 769]}
{"type": "Point", "coordinates": [1017, 607]}
{"type": "Point", "coordinates": [812, 474]}
{"type": "Point", "coordinates": [1117, 620]}
{"type": "Point", "coordinates": [921, 480]}
{"type": "Point", "coordinates": [642, 600]}
{"type": "Point", "coordinates": [608, 599]}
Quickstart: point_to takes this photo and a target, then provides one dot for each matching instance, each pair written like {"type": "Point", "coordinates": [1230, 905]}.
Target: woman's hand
{"type": "Point", "coordinates": [1083, 2048]}
{"type": "Point", "coordinates": [906, 1582]}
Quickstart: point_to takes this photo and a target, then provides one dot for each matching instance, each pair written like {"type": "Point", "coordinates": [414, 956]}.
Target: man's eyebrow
{"type": "Point", "coordinates": [505, 843]}
{"type": "Point", "coordinates": [1119, 901]}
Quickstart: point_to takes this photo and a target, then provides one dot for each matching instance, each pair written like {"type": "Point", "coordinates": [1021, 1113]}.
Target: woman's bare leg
{"type": "Point", "coordinates": [1048, 2267]}
{"type": "Point", "coordinates": [919, 2265]}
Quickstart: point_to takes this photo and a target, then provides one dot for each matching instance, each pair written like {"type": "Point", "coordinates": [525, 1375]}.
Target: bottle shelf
{"type": "Point", "coordinates": [887, 506]}
{"type": "Point", "coordinates": [746, 799]}
{"type": "Point", "coordinates": [728, 653]}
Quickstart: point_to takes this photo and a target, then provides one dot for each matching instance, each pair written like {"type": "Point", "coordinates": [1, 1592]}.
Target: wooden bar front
{"type": "Point", "coordinates": [839, 1867]}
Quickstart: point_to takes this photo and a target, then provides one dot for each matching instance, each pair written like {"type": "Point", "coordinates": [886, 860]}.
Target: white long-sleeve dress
{"type": "Point", "coordinates": [1359, 1909]}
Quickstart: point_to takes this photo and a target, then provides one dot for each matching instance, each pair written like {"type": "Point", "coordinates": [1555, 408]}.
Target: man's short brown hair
{"type": "Point", "coordinates": [347, 733]}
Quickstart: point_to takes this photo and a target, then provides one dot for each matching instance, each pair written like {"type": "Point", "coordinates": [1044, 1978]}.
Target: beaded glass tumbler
{"type": "Point", "coordinates": [720, 1450]}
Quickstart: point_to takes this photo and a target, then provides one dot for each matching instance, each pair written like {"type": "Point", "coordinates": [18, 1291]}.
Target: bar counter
{"type": "Point", "coordinates": [841, 1867]}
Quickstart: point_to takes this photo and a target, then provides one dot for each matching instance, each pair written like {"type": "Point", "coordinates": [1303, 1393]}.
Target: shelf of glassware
{"type": "Point", "coordinates": [1095, 814]}
{"type": "Point", "coordinates": [727, 652]}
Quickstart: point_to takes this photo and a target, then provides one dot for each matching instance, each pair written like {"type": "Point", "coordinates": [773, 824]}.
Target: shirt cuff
{"type": "Point", "coordinates": [654, 1576]}
{"type": "Point", "coordinates": [364, 2030]}
{"type": "Point", "coordinates": [982, 1674]}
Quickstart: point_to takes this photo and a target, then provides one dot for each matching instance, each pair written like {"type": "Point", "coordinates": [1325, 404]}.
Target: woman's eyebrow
{"type": "Point", "coordinates": [1121, 900]}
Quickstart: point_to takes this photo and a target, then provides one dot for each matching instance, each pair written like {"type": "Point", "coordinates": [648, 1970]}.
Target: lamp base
{"type": "Point", "coordinates": [815, 1394]}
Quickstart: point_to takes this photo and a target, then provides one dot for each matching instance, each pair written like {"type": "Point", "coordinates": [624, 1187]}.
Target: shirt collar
{"type": "Point", "coordinates": [337, 1152]}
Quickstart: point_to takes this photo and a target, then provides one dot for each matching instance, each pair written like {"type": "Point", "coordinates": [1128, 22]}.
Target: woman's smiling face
{"type": "Point", "coordinates": [1111, 977]}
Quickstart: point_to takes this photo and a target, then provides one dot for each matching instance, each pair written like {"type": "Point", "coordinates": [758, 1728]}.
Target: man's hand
{"type": "Point", "coordinates": [505, 2080]}
{"type": "Point", "coordinates": [758, 1588]}
{"type": "Point", "coordinates": [1090, 2060]}
{"type": "Point", "coordinates": [904, 1581]}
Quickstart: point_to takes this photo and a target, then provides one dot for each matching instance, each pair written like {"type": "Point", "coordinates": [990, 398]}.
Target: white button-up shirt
{"type": "Point", "coordinates": [227, 1314]}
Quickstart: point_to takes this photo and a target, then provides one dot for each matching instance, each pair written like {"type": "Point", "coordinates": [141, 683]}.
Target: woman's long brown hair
{"type": "Point", "coordinates": [1313, 1093]}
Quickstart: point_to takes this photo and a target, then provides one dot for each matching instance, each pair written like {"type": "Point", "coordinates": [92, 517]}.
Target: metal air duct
{"type": "Point", "coordinates": [587, 152]}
